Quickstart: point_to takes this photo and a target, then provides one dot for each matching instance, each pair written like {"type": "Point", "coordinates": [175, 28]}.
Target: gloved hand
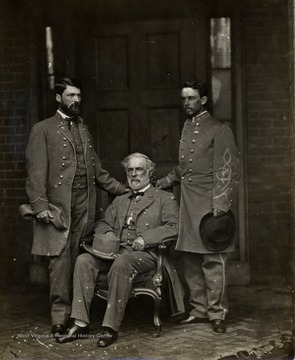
{"type": "Point", "coordinates": [218, 212]}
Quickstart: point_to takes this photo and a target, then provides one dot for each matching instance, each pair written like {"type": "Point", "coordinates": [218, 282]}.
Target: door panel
{"type": "Point", "coordinates": [163, 60]}
{"type": "Point", "coordinates": [164, 134]}
{"type": "Point", "coordinates": [111, 60]}
{"type": "Point", "coordinates": [112, 147]}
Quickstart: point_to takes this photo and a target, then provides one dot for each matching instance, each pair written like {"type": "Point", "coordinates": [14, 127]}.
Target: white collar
{"type": "Point", "coordinates": [144, 189]}
{"type": "Point", "coordinates": [64, 116]}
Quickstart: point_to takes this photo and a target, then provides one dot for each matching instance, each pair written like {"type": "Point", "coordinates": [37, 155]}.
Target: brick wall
{"type": "Point", "coordinates": [14, 233]}
{"type": "Point", "coordinates": [265, 32]}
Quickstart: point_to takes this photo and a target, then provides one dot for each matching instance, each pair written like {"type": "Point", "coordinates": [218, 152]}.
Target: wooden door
{"type": "Point", "coordinates": [132, 74]}
{"type": "Point", "coordinates": [135, 71]}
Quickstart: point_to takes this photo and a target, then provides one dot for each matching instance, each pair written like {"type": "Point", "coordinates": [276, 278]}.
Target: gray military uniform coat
{"type": "Point", "coordinates": [51, 166]}
{"type": "Point", "coordinates": [156, 219]}
{"type": "Point", "coordinates": [208, 172]}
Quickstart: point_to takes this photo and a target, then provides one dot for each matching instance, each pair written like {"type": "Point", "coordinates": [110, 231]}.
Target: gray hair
{"type": "Point", "coordinates": [150, 166]}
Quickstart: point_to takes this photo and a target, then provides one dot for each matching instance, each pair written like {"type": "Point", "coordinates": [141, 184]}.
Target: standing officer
{"type": "Point", "coordinates": [63, 172]}
{"type": "Point", "coordinates": [208, 172]}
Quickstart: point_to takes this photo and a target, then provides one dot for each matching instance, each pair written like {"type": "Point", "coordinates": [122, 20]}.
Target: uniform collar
{"type": "Point", "coordinates": [64, 116]}
{"type": "Point", "coordinates": [77, 119]}
{"type": "Point", "coordinates": [197, 117]}
{"type": "Point", "coordinates": [145, 188]}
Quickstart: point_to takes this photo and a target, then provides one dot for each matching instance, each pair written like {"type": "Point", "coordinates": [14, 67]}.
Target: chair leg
{"type": "Point", "coordinates": [157, 321]}
{"type": "Point", "coordinates": [157, 301]}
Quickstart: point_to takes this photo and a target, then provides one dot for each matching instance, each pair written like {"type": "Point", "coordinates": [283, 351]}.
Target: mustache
{"type": "Point", "coordinates": [75, 105]}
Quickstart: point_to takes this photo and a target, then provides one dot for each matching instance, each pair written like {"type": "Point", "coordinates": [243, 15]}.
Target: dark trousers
{"type": "Point", "coordinates": [61, 267]}
{"type": "Point", "coordinates": [121, 275]}
{"type": "Point", "coordinates": [205, 276]}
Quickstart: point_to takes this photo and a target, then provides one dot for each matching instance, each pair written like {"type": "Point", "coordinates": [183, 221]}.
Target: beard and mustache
{"type": "Point", "coordinates": [71, 110]}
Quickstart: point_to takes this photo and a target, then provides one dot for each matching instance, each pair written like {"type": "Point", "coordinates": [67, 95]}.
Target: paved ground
{"type": "Point", "coordinates": [260, 322]}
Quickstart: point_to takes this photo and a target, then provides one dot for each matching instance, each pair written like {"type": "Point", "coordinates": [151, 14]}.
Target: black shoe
{"type": "Point", "coordinates": [107, 337]}
{"type": "Point", "coordinates": [57, 330]}
{"type": "Point", "coordinates": [193, 320]}
{"type": "Point", "coordinates": [75, 332]}
{"type": "Point", "coordinates": [218, 326]}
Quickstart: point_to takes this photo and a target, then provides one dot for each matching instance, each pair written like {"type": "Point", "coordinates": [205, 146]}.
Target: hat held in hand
{"type": "Point", "coordinates": [217, 233]}
{"type": "Point", "coordinates": [104, 246]}
{"type": "Point", "coordinates": [58, 220]}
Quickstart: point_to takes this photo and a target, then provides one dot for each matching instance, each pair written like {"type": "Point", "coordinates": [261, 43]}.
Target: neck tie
{"type": "Point", "coordinates": [72, 119]}
{"type": "Point", "coordinates": [139, 193]}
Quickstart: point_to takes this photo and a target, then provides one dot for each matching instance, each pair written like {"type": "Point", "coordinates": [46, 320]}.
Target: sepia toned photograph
{"type": "Point", "coordinates": [147, 179]}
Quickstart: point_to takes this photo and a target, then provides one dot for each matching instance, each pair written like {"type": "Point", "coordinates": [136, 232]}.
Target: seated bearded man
{"type": "Point", "coordinates": [144, 217]}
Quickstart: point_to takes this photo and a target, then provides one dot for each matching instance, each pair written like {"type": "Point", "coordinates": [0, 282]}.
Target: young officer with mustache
{"type": "Point", "coordinates": [208, 173]}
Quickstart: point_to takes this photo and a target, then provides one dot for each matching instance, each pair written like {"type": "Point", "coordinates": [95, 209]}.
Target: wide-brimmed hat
{"type": "Point", "coordinates": [58, 220]}
{"type": "Point", "coordinates": [104, 246]}
{"type": "Point", "coordinates": [218, 233]}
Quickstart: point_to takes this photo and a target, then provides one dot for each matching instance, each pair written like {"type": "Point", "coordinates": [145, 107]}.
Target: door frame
{"type": "Point", "coordinates": [238, 270]}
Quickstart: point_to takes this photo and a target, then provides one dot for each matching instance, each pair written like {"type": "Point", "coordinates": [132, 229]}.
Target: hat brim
{"type": "Point", "coordinates": [99, 254]}
{"type": "Point", "coordinates": [218, 245]}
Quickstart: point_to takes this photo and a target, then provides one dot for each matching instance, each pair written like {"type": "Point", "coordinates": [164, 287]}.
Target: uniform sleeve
{"type": "Point", "coordinates": [108, 222]}
{"type": "Point", "coordinates": [37, 169]}
{"type": "Point", "coordinates": [169, 218]}
{"type": "Point", "coordinates": [226, 169]}
{"type": "Point", "coordinates": [105, 181]}
{"type": "Point", "coordinates": [172, 179]}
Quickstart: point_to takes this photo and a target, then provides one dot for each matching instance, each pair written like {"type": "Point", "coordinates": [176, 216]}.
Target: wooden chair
{"type": "Point", "coordinates": [150, 284]}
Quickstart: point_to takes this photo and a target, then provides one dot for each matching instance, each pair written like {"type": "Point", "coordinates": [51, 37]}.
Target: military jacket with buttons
{"type": "Point", "coordinates": [155, 216]}
{"type": "Point", "coordinates": [156, 220]}
{"type": "Point", "coordinates": [208, 172]}
{"type": "Point", "coordinates": [51, 162]}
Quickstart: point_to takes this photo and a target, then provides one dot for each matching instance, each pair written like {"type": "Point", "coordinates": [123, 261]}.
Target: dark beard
{"type": "Point", "coordinates": [73, 110]}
